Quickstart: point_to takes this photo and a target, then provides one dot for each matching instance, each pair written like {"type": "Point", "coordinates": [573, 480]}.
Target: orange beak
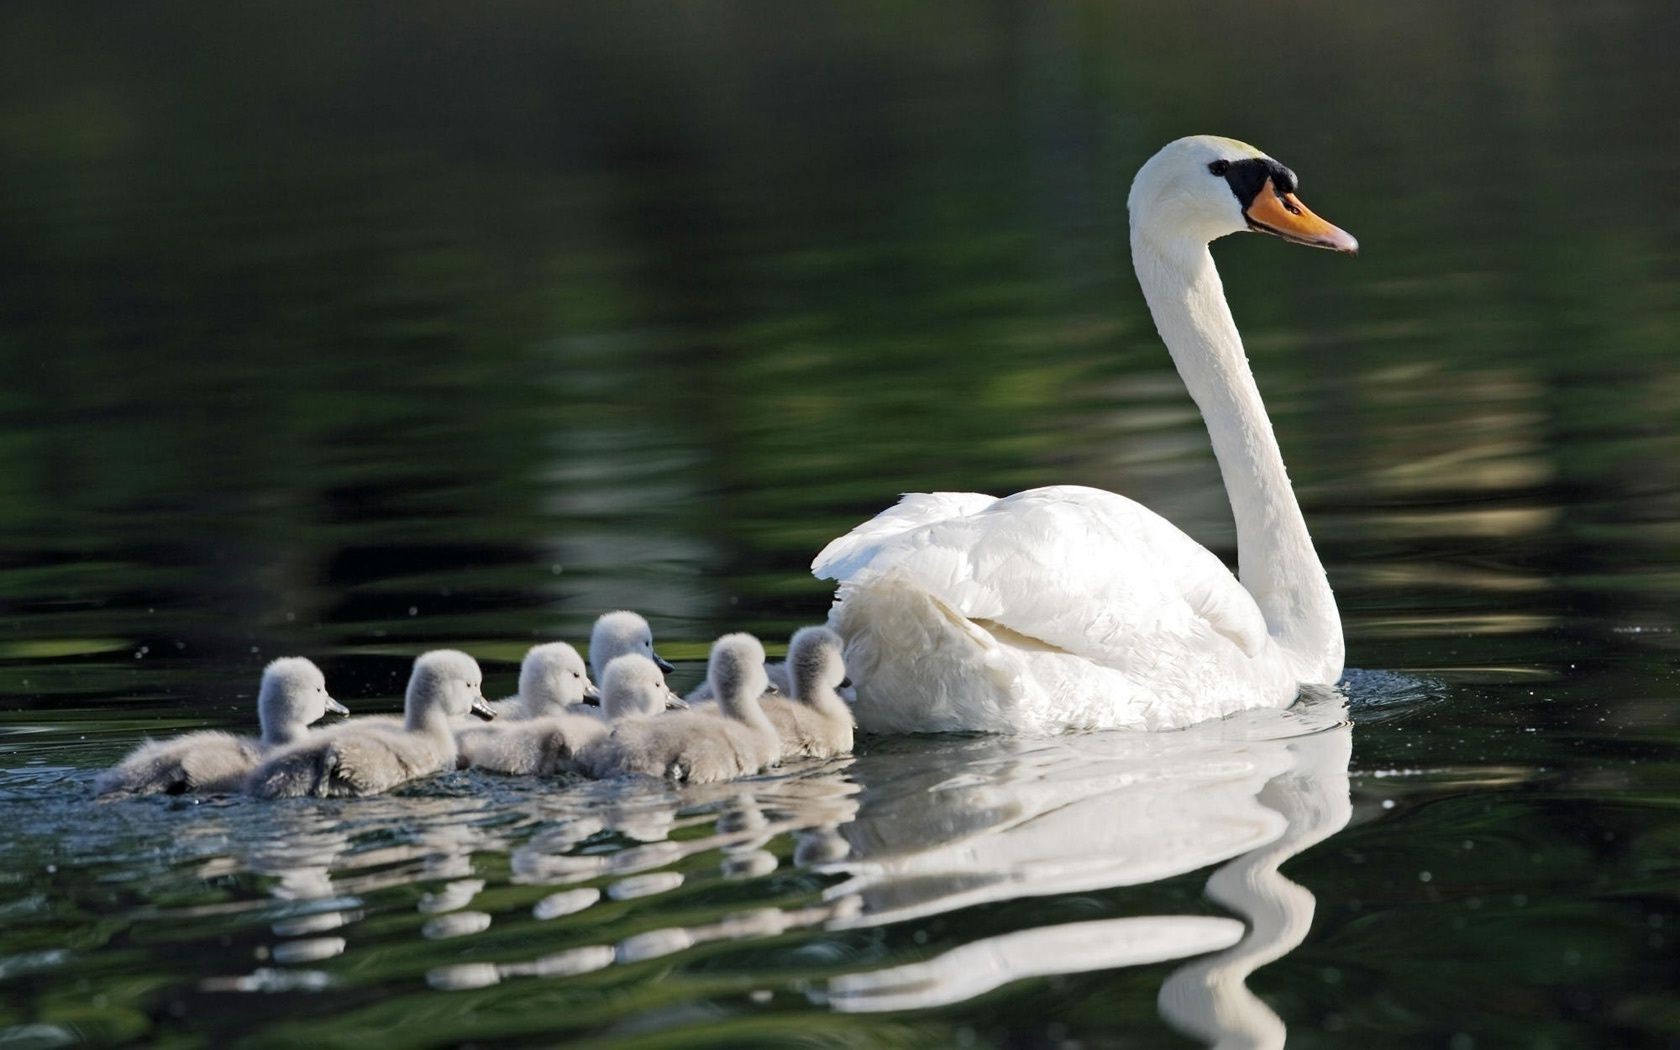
{"type": "Point", "coordinates": [1283, 215]}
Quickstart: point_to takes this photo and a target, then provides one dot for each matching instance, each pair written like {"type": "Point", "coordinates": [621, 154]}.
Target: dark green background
{"type": "Point", "coordinates": [355, 329]}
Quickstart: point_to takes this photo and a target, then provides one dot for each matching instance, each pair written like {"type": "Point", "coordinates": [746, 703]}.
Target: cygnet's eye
{"type": "Point", "coordinates": [1220, 167]}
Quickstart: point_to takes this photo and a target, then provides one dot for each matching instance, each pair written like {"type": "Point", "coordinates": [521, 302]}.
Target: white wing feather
{"type": "Point", "coordinates": [1054, 608]}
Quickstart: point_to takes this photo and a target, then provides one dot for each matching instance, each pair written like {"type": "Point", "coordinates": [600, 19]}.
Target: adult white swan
{"type": "Point", "coordinates": [1069, 607]}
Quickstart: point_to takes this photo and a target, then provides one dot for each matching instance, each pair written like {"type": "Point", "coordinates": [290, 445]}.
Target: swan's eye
{"type": "Point", "coordinates": [1220, 167]}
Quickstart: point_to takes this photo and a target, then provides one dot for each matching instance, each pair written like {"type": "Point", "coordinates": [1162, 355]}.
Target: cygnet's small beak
{"type": "Point", "coordinates": [1283, 215]}
{"type": "Point", "coordinates": [846, 682]}
{"type": "Point", "coordinates": [772, 689]}
{"type": "Point", "coordinates": [663, 664]}
{"type": "Point", "coordinates": [591, 694]}
{"type": "Point", "coordinates": [673, 702]}
{"type": "Point", "coordinates": [336, 708]}
{"type": "Point", "coordinates": [481, 709]}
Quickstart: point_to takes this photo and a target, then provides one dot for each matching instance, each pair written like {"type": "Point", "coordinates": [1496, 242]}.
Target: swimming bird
{"type": "Point", "coordinates": [552, 680]}
{"type": "Point", "coordinates": [1070, 607]}
{"type": "Point", "coordinates": [814, 720]}
{"type": "Point", "coordinates": [633, 688]}
{"type": "Point", "coordinates": [617, 633]}
{"type": "Point", "coordinates": [697, 746]}
{"type": "Point", "coordinates": [359, 758]}
{"type": "Point", "coordinates": [293, 695]}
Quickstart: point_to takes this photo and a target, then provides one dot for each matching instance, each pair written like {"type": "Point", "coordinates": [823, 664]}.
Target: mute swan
{"type": "Point", "coordinates": [365, 758]}
{"type": "Point", "coordinates": [1069, 607]}
{"type": "Point", "coordinates": [617, 633]}
{"type": "Point", "coordinates": [552, 680]}
{"type": "Point", "coordinates": [814, 721]}
{"type": "Point", "coordinates": [634, 687]}
{"type": "Point", "coordinates": [696, 746]}
{"type": "Point", "coordinates": [293, 695]}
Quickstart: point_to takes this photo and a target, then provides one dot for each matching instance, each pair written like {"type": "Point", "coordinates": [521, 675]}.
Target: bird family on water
{"type": "Point", "coordinates": [1057, 608]}
{"type": "Point", "coordinates": [738, 725]}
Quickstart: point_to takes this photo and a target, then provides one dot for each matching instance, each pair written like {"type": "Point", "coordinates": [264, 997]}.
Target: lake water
{"type": "Point", "coordinates": [351, 332]}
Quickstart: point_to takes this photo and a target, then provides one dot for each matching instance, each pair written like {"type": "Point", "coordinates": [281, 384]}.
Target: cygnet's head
{"type": "Point", "coordinates": [552, 678]}
{"type": "Point", "coordinates": [617, 633]}
{"type": "Point", "coordinates": [293, 695]}
{"type": "Point", "coordinates": [816, 662]}
{"type": "Point", "coordinates": [1203, 187]}
{"type": "Point", "coordinates": [634, 687]}
{"type": "Point", "coordinates": [449, 682]}
{"type": "Point", "coordinates": [736, 672]}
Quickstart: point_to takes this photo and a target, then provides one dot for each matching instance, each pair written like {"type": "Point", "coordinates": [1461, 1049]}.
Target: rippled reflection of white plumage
{"type": "Point", "coordinates": [1070, 607]}
{"type": "Point", "coordinates": [1003, 818]}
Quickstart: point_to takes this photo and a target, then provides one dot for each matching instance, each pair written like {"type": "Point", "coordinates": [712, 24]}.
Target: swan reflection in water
{"type": "Point", "coordinates": [911, 828]}
{"type": "Point", "coordinates": [993, 819]}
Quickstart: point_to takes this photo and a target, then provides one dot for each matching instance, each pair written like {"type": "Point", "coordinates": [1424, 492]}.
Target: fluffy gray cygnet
{"type": "Point", "coordinates": [633, 688]}
{"type": "Point", "coordinates": [617, 633]}
{"type": "Point", "coordinates": [814, 721]}
{"type": "Point", "coordinates": [366, 759]}
{"type": "Point", "coordinates": [701, 747]}
{"type": "Point", "coordinates": [552, 681]}
{"type": "Point", "coordinates": [293, 695]}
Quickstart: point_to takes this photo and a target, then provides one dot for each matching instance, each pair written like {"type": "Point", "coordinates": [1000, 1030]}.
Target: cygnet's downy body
{"type": "Point", "coordinates": [633, 688]}
{"type": "Point", "coordinates": [552, 681]}
{"type": "Point", "coordinates": [367, 759]}
{"type": "Point", "coordinates": [292, 696]}
{"type": "Point", "coordinates": [617, 633]}
{"type": "Point", "coordinates": [701, 747]}
{"type": "Point", "coordinates": [781, 680]}
{"type": "Point", "coordinates": [815, 721]}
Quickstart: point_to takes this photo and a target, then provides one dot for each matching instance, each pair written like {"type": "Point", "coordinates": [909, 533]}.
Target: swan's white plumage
{"type": "Point", "coordinates": [1070, 607]}
{"type": "Point", "coordinates": [1042, 612]}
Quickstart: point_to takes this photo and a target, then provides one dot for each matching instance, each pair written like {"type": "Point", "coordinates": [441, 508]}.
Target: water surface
{"type": "Point", "coordinates": [354, 332]}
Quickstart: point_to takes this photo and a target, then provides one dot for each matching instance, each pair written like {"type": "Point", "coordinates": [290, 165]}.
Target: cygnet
{"type": "Point", "coordinates": [617, 633]}
{"type": "Point", "coordinates": [366, 759]}
{"type": "Point", "coordinates": [552, 681]}
{"type": "Point", "coordinates": [633, 688]}
{"type": "Point", "coordinates": [815, 722]}
{"type": "Point", "coordinates": [293, 695]}
{"type": "Point", "coordinates": [780, 677]}
{"type": "Point", "coordinates": [701, 747]}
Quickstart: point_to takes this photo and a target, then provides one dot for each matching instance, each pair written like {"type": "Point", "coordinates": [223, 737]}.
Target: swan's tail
{"type": "Point", "coordinates": [921, 666]}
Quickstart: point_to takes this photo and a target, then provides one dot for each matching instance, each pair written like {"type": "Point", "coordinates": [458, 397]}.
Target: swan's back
{"type": "Point", "coordinates": [208, 762]}
{"type": "Point", "coordinates": [1056, 608]}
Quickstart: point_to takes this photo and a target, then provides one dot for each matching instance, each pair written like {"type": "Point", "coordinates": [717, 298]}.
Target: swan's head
{"type": "Point", "coordinates": [736, 672]}
{"type": "Point", "coordinates": [552, 677]}
{"type": "Point", "coordinates": [634, 687]}
{"type": "Point", "coordinates": [293, 694]}
{"type": "Point", "coordinates": [617, 633]}
{"type": "Point", "coordinates": [1203, 187]}
{"type": "Point", "coordinates": [446, 681]}
{"type": "Point", "coordinates": [816, 662]}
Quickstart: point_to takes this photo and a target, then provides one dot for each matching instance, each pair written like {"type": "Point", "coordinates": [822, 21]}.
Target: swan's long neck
{"type": "Point", "coordinates": [1275, 556]}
